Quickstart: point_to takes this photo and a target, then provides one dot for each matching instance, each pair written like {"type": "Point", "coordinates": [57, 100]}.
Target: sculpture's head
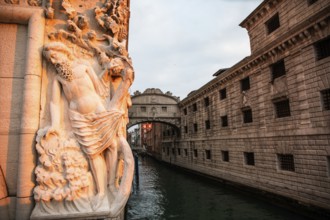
{"type": "Point", "coordinates": [116, 66]}
{"type": "Point", "coordinates": [57, 52]}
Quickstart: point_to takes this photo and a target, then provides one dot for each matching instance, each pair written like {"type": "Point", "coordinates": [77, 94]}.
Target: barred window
{"type": "Point", "coordinates": [325, 95]}
{"type": "Point", "coordinates": [245, 84]}
{"type": "Point", "coordinates": [322, 48]}
{"type": "Point", "coordinates": [277, 69]}
{"type": "Point", "coordinates": [273, 23]}
{"type": "Point", "coordinates": [208, 154]}
{"type": "Point", "coordinates": [185, 129]}
{"type": "Point", "coordinates": [185, 111]}
{"type": "Point", "coordinates": [224, 121]}
{"type": "Point", "coordinates": [143, 109]}
{"type": "Point", "coordinates": [249, 158]}
{"type": "Point", "coordinates": [286, 162]}
{"type": "Point", "coordinates": [185, 152]}
{"type": "Point", "coordinates": [206, 101]}
{"type": "Point", "coordinates": [225, 156]}
{"type": "Point", "coordinates": [247, 115]}
{"type": "Point", "coordinates": [282, 108]}
{"type": "Point", "coordinates": [223, 94]}
{"type": "Point", "coordinates": [207, 124]}
{"type": "Point", "coordinates": [179, 151]}
{"type": "Point", "coordinates": [194, 107]}
{"type": "Point", "coordinates": [164, 109]}
{"type": "Point", "coordinates": [195, 127]}
{"type": "Point", "coordinates": [195, 153]}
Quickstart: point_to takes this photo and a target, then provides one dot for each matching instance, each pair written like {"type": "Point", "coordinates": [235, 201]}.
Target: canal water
{"type": "Point", "coordinates": [166, 193]}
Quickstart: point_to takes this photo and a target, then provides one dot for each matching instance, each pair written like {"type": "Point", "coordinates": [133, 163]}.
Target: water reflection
{"type": "Point", "coordinates": [164, 193]}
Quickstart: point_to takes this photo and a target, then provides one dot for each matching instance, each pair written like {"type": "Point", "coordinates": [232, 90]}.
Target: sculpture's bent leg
{"type": "Point", "coordinates": [111, 156]}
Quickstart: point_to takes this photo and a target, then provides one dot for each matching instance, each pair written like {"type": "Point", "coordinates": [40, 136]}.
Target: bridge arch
{"type": "Point", "coordinates": [154, 106]}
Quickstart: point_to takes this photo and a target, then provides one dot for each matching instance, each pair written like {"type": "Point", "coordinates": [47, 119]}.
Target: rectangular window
{"type": "Point", "coordinates": [277, 69]}
{"type": "Point", "coordinates": [194, 107]}
{"type": "Point", "coordinates": [206, 101]}
{"type": "Point", "coordinates": [325, 95]}
{"type": "Point", "coordinates": [273, 23]}
{"type": "Point", "coordinates": [179, 151]}
{"type": "Point", "coordinates": [143, 109]}
{"type": "Point", "coordinates": [249, 158]}
{"type": "Point", "coordinates": [168, 151]}
{"type": "Point", "coordinates": [225, 156]}
{"type": "Point", "coordinates": [163, 149]}
{"type": "Point", "coordinates": [224, 121]}
{"type": "Point", "coordinates": [286, 162]}
{"type": "Point", "coordinates": [185, 152]}
{"type": "Point", "coordinates": [223, 94]}
{"type": "Point", "coordinates": [208, 154]}
{"type": "Point", "coordinates": [164, 109]}
{"type": "Point", "coordinates": [195, 153]}
{"type": "Point", "coordinates": [322, 48]}
{"type": "Point", "coordinates": [207, 124]}
{"type": "Point", "coordinates": [282, 108]}
{"type": "Point", "coordinates": [245, 84]}
{"type": "Point", "coordinates": [173, 151]}
{"type": "Point", "coordinates": [247, 115]}
{"type": "Point", "coordinates": [185, 129]}
{"type": "Point", "coordinates": [195, 127]}
{"type": "Point", "coordinates": [185, 111]}
{"type": "Point", "coordinates": [328, 161]}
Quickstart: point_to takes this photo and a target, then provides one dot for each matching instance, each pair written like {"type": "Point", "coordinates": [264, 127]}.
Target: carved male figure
{"type": "Point", "coordinates": [97, 127]}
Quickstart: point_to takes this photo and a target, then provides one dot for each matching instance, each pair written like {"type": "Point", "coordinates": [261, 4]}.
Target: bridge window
{"type": "Point", "coordinates": [282, 108]}
{"type": "Point", "coordinates": [185, 111]}
{"type": "Point", "coordinates": [224, 121]}
{"type": "Point", "coordinates": [277, 69]}
{"type": "Point", "coordinates": [247, 115]}
{"type": "Point", "coordinates": [325, 95]}
{"type": "Point", "coordinates": [195, 153]}
{"type": "Point", "coordinates": [179, 151]}
{"type": "Point", "coordinates": [286, 162]}
{"type": "Point", "coordinates": [143, 109]}
{"type": "Point", "coordinates": [322, 48]}
{"type": "Point", "coordinates": [194, 106]}
{"type": "Point", "coordinates": [223, 94]}
{"type": "Point", "coordinates": [207, 124]}
{"type": "Point", "coordinates": [208, 154]}
{"type": "Point", "coordinates": [225, 156]}
{"type": "Point", "coordinates": [245, 84]}
{"type": "Point", "coordinates": [164, 109]}
{"type": "Point", "coordinates": [273, 23]}
{"type": "Point", "coordinates": [195, 127]}
{"type": "Point", "coordinates": [206, 101]}
{"type": "Point", "coordinates": [185, 152]}
{"type": "Point", "coordinates": [249, 158]}
{"type": "Point", "coordinates": [185, 129]}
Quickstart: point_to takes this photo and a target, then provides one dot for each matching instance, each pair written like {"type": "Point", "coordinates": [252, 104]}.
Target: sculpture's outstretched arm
{"type": "Point", "coordinates": [99, 88]}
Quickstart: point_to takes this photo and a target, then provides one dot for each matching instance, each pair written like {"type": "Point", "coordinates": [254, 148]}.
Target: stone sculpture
{"type": "Point", "coordinates": [85, 165]}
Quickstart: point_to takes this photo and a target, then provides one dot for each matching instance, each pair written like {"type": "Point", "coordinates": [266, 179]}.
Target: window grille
{"type": "Point", "coordinates": [286, 162]}
{"type": "Point", "coordinates": [224, 121]}
{"type": "Point", "coordinates": [164, 109]}
{"type": "Point", "coordinates": [325, 94]}
{"type": "Point", "coordinates": [207, 124]}
{"type": "Point", "coordinates": [249, 158]}
{"type": "Point", "coordinates": [143, 109]}
{"type": "Point", "coordinates": [195, 153]}
{"type": "Point", "coordinates": [245, 84]}
{"type": "Point", "coordinates": [208, 154]}
{"type": "Point", "coordinates": [322, 48]}
{"type": "Point", "coordinates": [195, 127]}
{"type": "Point", "coordinates": [247, 116]}
{"type": "Point", "coordinates": [194, 107]}
{"type": "Point", "coordinates": [223, 94]}
{"type": "Point", "coordinates": [225, 156]}
{"type": "Point", "coordinates": [282, 108]}
{"type": "Point", "coordinates": [273, 23]}
{"type": "Point", "coordinates": [278, 69]}
{"type": "Point", "coordinates": [206, 101]}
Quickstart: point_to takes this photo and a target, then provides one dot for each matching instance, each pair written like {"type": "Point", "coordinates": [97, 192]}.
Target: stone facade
{"type": "Point", "coordinates": [265, 122]}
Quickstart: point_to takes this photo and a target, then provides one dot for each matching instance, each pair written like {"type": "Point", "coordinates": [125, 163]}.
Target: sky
{"type": "Point", "coordinates": [177, 45]}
